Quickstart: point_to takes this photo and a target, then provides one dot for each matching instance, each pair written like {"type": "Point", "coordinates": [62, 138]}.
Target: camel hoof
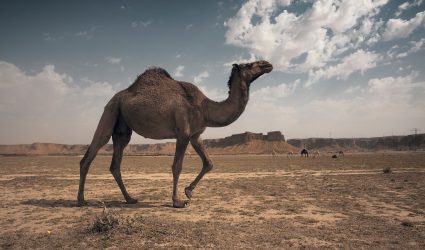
{"type": "Point", "coordinates": [81, 203]}
{"type": "Point", "coordinates": [180, 204]}
{"type": "Point", "coordinates": [188, 192]}
{"type": "Point", "coordinates": [131, 201]}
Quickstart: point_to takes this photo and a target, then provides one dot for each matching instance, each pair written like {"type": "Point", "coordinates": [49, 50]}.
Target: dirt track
{"type": "Point", "coordinates": [246, 202]}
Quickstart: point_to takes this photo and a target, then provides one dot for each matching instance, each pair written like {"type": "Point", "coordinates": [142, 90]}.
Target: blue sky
{"type": "Point", "coordinates": [342, 68]}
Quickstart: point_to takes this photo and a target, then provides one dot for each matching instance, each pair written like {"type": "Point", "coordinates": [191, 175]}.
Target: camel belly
{"type": "Point", "coordinates": [152, 126]}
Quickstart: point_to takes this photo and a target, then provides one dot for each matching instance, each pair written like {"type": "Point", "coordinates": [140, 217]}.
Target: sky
{"type": "Point", "coordinates": [342, 68]}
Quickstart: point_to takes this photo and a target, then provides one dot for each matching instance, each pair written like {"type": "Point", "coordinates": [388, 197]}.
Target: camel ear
{"type": "Point", "coordinates": [235, 66]}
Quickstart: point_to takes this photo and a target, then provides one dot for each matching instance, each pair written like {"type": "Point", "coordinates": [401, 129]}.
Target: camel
{"type": "Point", "coordinates": [340, 153]}
{"type": "Point", "coordinates": [290, 154]}
{"type": "Point", "coordinates": [316, 153]}
{"type": "Point", "coordinates": [304, 152]}
{"type": "Point", "coordinates": [158, 107]}
{"type": "Point", "coordinates": [274, 153]}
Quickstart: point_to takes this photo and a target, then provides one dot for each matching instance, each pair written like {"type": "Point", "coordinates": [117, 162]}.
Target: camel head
{"type": "Point", "coordinates": [249, 72]}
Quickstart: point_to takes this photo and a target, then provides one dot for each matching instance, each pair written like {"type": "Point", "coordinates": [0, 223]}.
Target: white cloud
{"type": "Point", "coordinates": [49, 106]}
{"type": "Point", "coordinates": [390, 103]}
{"type": "Point", "coordinates": [353, 89]}
{"type": "Point", "coordinates": [240, 60]}
{"type": "Point", "coordinates": [399, 28]}
{"type": "Point", "coordinates": [273, 93]}
{"type": "Point", "coordinates": [300, 42]}
{"type": "Point", "coordinates": [178, 72]}
{"type": "Point", "coordinates": [189, 26]}
{"type": "Point", "coordinates": [113, 60]}
{"type": "Point", "coordinates": [399, 52]}
{"type": "Point", "coordinates": [407, 5]}
{"type": "Point", "coordinates": [201, 77]}
{"type": "Point", "coordinates": [143, 24]}
{"type": "Point", "coordinates": [384, 106]}
{"type": "Point", "coordinates": [358, 61]}
{"type": "Point", "coordinates": [213, 93]}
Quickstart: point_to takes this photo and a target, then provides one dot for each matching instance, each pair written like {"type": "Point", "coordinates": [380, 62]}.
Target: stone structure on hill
{"type": "Point", "coordinates": [275, 136]}
{"type": "Point", "coordinates": [243, 138]}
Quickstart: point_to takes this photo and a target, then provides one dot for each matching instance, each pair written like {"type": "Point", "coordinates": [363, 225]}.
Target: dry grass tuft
{"type": "Point", "coordinates": [407, 223]}
{"type": "Point", "coordinates": [387, 170]}
{"type": "Point", "coordinates": [105, 222]}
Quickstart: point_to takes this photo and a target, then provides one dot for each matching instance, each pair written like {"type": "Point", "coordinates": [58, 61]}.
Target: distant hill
{"type": "Point", "coordinates": [398, 143]}
{"type": "Point", "coordinates": [245, 143]}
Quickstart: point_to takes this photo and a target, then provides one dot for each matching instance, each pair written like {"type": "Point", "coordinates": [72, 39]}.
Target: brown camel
{"type": "Point", "coordinates": [158, 107]}
{"type": "Point", "coordinates": [304, 152]}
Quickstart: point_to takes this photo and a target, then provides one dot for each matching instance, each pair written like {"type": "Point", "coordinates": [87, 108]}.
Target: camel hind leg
{"type": "Point", "coordinates": [101, 137]}
{"type": "Point", "coordinates": [121, 137]}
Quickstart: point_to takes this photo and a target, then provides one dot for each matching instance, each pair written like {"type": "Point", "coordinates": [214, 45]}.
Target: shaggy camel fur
{"type": "Point", "coordinates": [158, 107]}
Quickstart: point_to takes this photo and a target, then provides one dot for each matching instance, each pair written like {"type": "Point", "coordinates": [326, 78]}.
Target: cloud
{"type": "Point", "coordinates": [240, 60]}
{"type": "Point", "coordinates": [178, 72]}
{"type": "Point", "coordinates": [49, 106]}
{"type": "Point", "coordinates": [113, 60]}
{"type": "Point", "coordinates": [143, 24]}
{"type": "Point", "coordinates": [303, 41]}
{"type": "Point", "coordinates": [47, 36]}
{"type": "Point", "coordinates": [201, 77]}
{"type": "Point", "coordinates": [407, 5]}
{"type": "Point", "coordinates": [358, 61]}
{"type": "Point", "coordinates": [272, 93]}
{"type": "Point", "coordinates": [399, 28]}
{"type": "Point", "coordinates": [213, 93]}
{"type": "Point", "coordinates": [189, 26]}
{"type": "Point", "coordinates": [385, 105]}
{"type": "Point", "coordinates": [415, 46]}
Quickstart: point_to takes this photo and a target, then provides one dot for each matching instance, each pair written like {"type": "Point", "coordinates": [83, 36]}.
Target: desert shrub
{"type": "Point", "coordinates": [387, 170]}
{"type": "Point", "coordinates": [104, 222]}
{"type": "Point", "coordinates": [407, 223]}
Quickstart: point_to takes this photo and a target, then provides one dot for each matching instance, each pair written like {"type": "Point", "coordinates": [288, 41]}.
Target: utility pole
{"type": "Point", "coordinates": [415, 130]}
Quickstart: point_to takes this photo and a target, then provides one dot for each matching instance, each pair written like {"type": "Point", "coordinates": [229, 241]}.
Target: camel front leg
{"type": "Point", "coordinates": [181, 146]}
{"type": "Point", "coordinates": [207, 165]}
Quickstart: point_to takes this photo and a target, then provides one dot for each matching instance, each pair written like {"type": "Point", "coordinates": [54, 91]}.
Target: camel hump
{"type": "Point", "coordinates": [156, 72]}
{"type": "Point", "coordinates": [151, 77]}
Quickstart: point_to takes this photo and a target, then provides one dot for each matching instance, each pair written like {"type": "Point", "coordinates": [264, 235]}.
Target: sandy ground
{"type": "Point", "coordinates": [246, 202]}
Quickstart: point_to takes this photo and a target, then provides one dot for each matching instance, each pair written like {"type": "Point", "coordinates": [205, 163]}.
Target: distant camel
{"type": "Point", "coordinates": [304, 152]}
{"type": "Point", "coordinates": [340, 153]}
{"type": "Point", "coordinates": [334, 156]}
{"type": "Point", "coordinates": [274, 154]}
{"type": "Point", "coordinates": [158, 107]}
{"type": "Point", "coordinates": [316, 153]}
{"type": "Point", "coordinates": [290, 154]}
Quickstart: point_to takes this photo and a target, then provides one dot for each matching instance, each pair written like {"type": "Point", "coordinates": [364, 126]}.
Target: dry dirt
{"type": "Point", "coordinates": [246, 202]}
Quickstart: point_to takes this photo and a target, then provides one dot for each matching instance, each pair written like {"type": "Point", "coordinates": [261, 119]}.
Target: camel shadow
{"type": "Point", "coordinates": [51, 203]}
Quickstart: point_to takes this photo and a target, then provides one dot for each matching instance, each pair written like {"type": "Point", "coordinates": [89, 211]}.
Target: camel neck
{"type": "Point", "coordinates": [220, 114]}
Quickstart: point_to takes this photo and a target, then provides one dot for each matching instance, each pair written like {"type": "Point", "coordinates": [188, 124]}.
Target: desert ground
{"type": "Point", "coordinates": [247, 201]}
